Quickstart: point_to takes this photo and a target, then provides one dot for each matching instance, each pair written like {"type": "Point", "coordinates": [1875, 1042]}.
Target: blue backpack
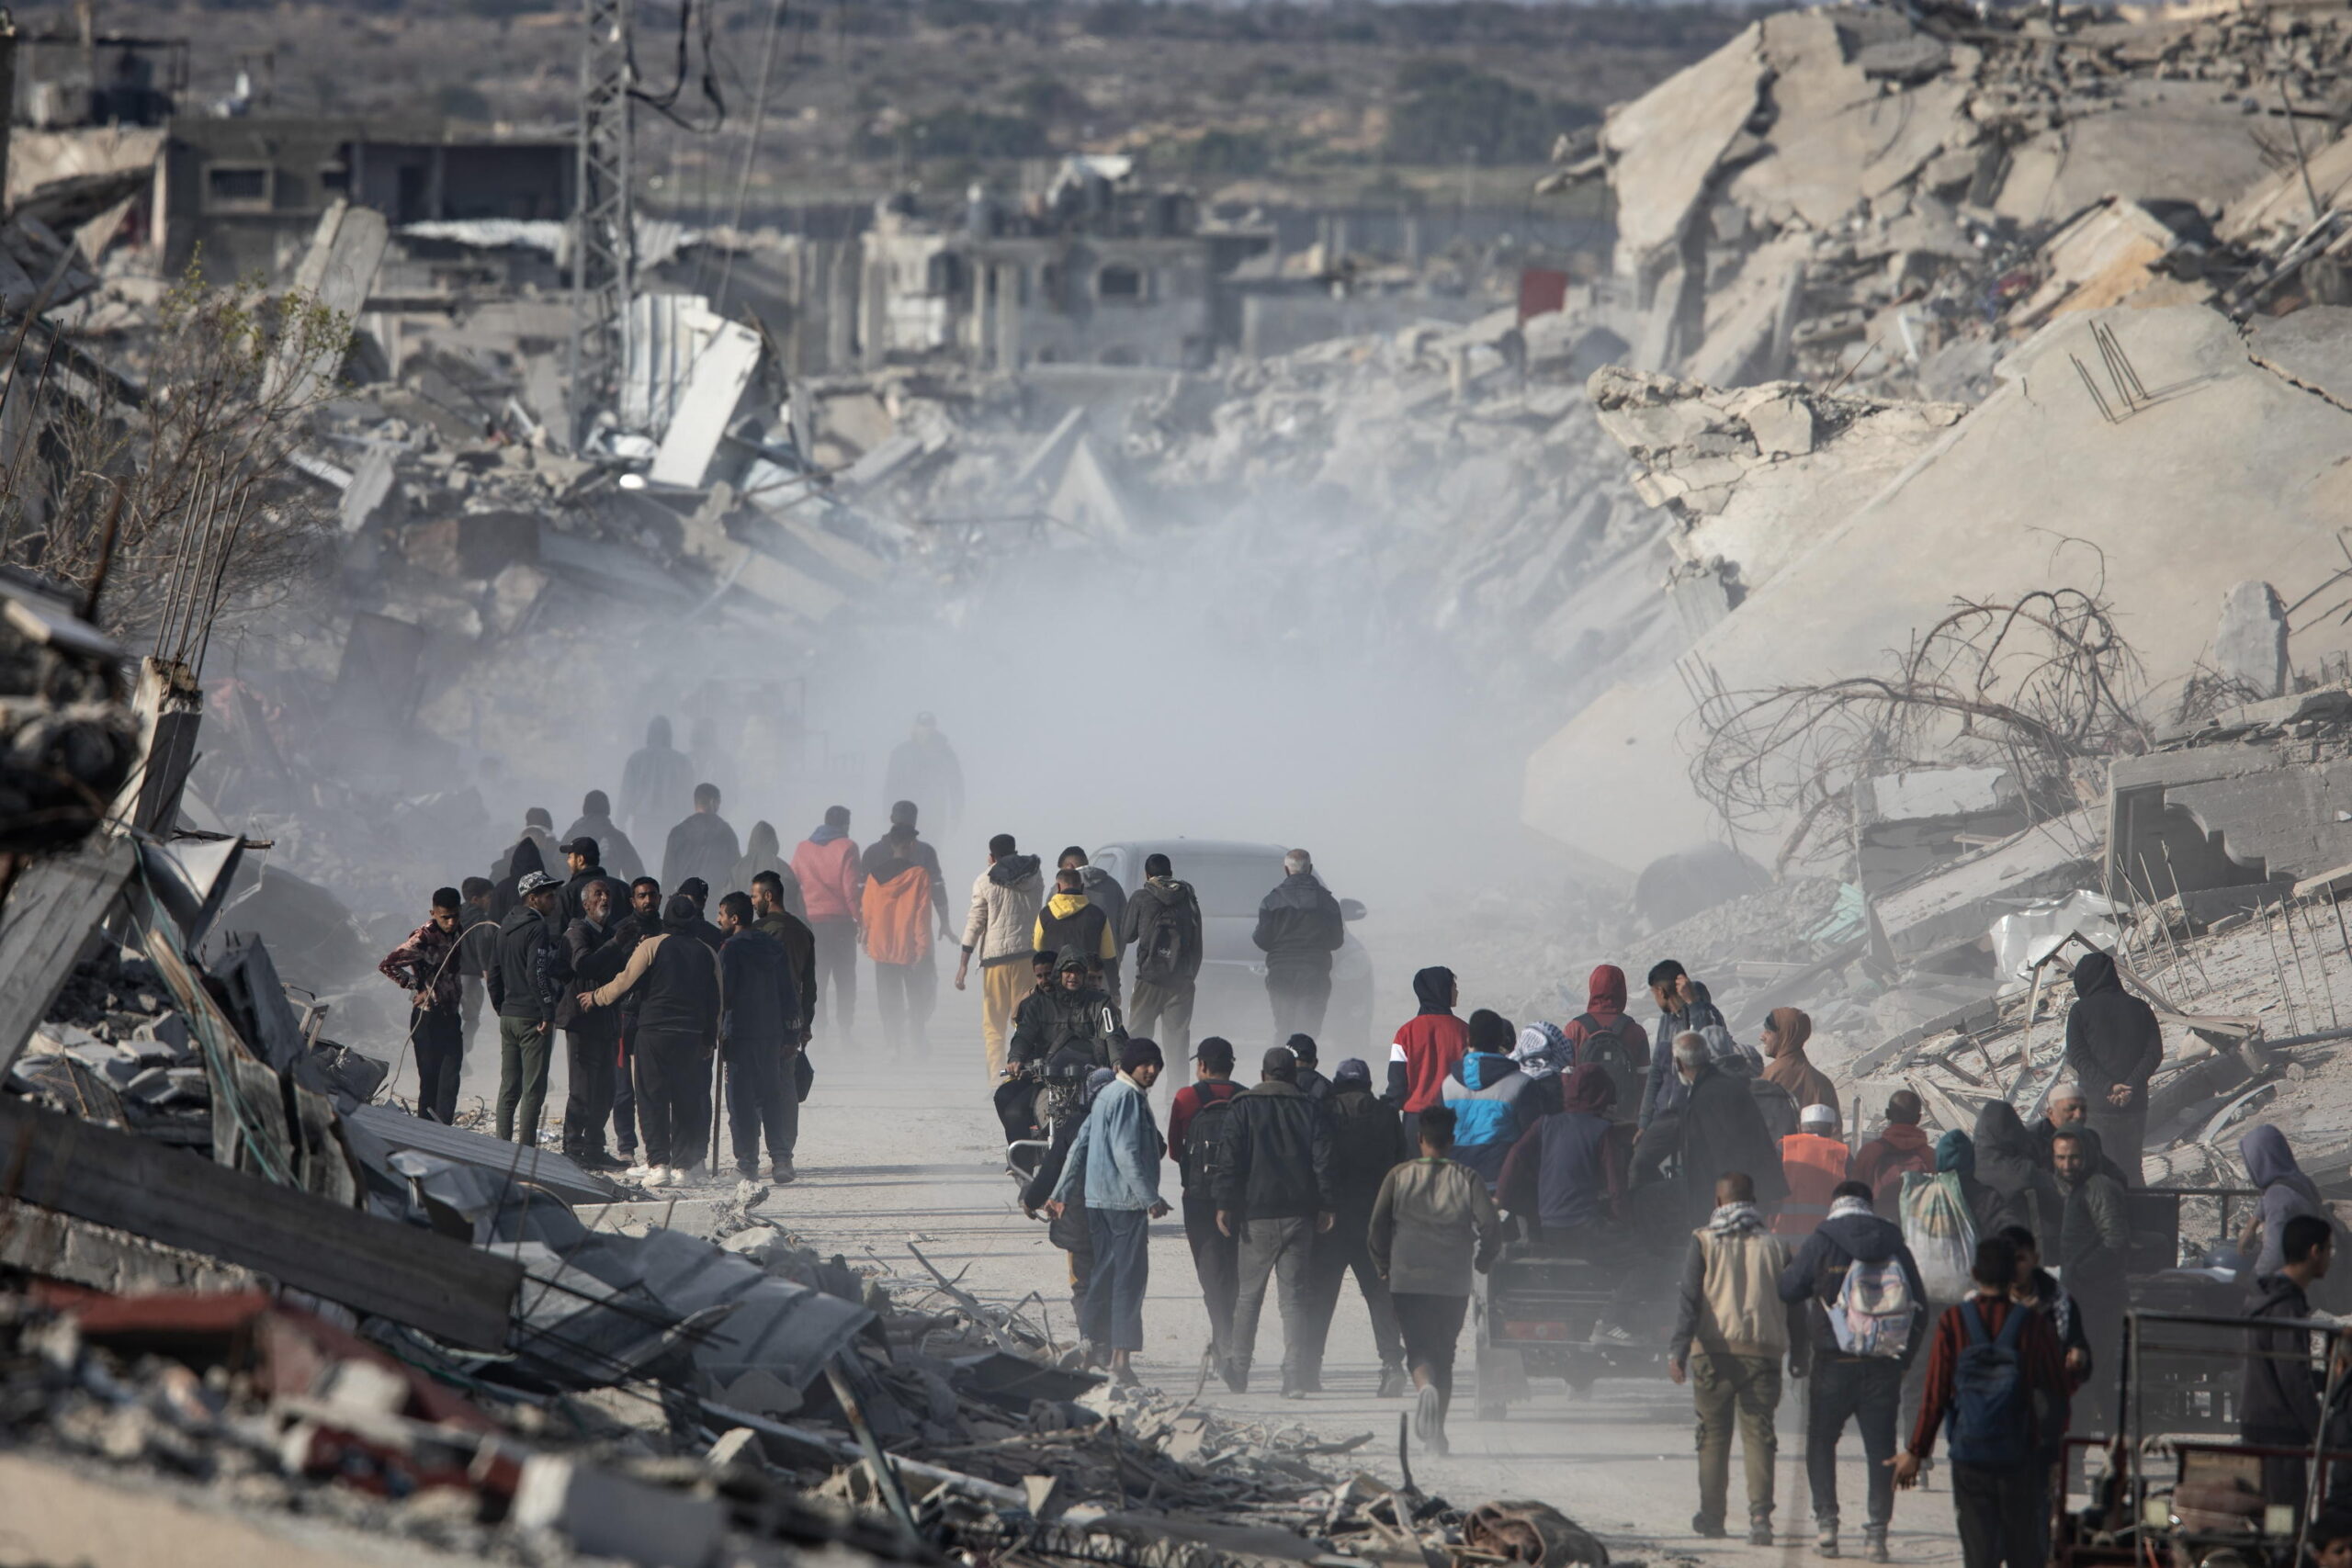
{"type": "Point", "coordinates": [1992, 1413]}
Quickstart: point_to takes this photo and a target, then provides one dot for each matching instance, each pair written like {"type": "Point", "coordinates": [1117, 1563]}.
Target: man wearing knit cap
{"type": "Point", "coordinates": [1116, 1157]}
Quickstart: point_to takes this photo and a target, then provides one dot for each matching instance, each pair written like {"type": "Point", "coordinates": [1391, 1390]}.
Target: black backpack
{"type": "Point", "coordinates": [1208, 1145]}
{"type": "Point", "coordinates": [1168, 950]}
{"type": "Point", "coordinates": [1606, 1047]}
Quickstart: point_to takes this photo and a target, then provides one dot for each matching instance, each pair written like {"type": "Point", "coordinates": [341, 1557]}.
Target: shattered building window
{"type": "Point", "coordinates": [237, 187]}
{"type": "Point", "coordinates": [1119, 281]}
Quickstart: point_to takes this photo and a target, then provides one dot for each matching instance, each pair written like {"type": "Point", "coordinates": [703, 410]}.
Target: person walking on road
{"type": "Point", "coordinates": [703, 846]}
{"type": "Point", "coordinates": [769, 915]}
{"type": "Point", "coordinates": [763, 856]}
{"type": "Point", "coordinates": [1433, 1226]}
{"type": "Point", "coordinates": [1069, 920]}
{"type": "Point", "coordinates": [526, 987]}
{"type": "Point", "coordinates": [427, 966]}
{"type": "Point", "coordinates": [898, 901]}
{"type": "Point", "coordinates": [1117, 1153]}
{"type": "Point", "coordinates": [592, 1040]}
{"type": "Point", "coordinates": [675, 980]}
{"type": "Point", "coordinates": [1427, 1048]}
{"type": "Point", "coordinates": [1104, 892]}
{"type": "Point", "coordinates": [1300, 927]}
{"type": "Point", "coordinates": [923, 768]}
{"type": "Point", "coordinates": [1198, 1121]}
{"type": "Point", "coordinates": [1732, 1315]}
{"type": "Point", "coordinates": [2016, 1384]}
{"type": "Point", "coordinates": [1684, 1007]}
{"type": "Point", "coordinates": [1864, 1332]}
{"type": "Point", "coordinates": [2113, 1046]}
{"type": "Point", "coordinates": [656, 781]}
{"type": "Point", "coordinates": [1367, 1142]}
{"type": "Point", "coordinates": [1813, 1162]}
{"type": "Point", "coordinates": [1273, 1195]}
{"type": "Point", "coordinates": [1717, 1129]}
{"type": "Point", "coordinates": [595, 821]}
{"type": "Point", "coordinates": [1161, 927]}
{"type": "Point", "coordinates": [1067, 1229]}
{"type": "Point", "coordinates": [758, 1015]}
{"type": "Point", "coordinates": [1001, 928]}
{"type": "Point", "coordinates": [827, 863]}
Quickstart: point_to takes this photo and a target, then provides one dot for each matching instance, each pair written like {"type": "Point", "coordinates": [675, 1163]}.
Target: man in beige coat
{"type": "Point", "coordinates": [1005, 899]}
{"type": "Point", "coordinates": [1731, 1315]}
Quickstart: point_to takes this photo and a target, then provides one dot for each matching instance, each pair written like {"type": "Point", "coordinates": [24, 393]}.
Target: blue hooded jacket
{"type": "Point", "coordinates": [1492, 1103]}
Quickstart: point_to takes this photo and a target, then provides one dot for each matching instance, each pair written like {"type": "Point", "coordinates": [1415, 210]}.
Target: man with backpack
{"type": "Point", "coordinates": [1902, 1144]}
{"type": "Point", "coordinates": [1603, 1033]}
{"type": "Point", "coordinates": [1161, 927]}
{"type": "Point", "coordinates": [1996, 1374]}
{"type": "Point", "coordinates": [1198, 1121]}
{"type": "Point", "coordinates": [1731, 1313]}
{"type": "Point", "coordinates": [1865, 1312]}
{"type": "Point", "coordinates": [1367, 1142]}
{"type": "Point", "coordinates": [1273, 1195]}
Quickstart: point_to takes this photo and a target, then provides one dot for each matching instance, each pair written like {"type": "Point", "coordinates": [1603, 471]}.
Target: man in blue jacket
{"type": "Point", "coordinates": [1866, 1389]}
{"type": "Point", "coordinates": [1492, 1103]}
{"type": "Point", "coordinates": [1118, 1154]}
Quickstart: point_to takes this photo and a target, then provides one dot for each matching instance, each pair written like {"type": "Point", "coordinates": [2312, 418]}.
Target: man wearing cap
{"type": "Point", "coordinates": [1216, 1258]}
{"type": "Point", "coordinates": [526, 985]}
{"type": "Point", "coordinates": [1273, 1193]}
{"type": "Point", "coordinates": [586, 863]}
{"type": "Point", "coordinates": [1117, 1153]}
{"type": "Point", "coordinates": [1813, 1159]}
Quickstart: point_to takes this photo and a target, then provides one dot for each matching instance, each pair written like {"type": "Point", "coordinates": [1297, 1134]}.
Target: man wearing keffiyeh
{"type": "Point", "coordinates": [1733, 1316]}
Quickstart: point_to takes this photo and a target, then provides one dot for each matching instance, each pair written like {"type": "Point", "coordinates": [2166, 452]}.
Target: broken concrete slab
{"type": "Point", "coordinates": [722, 368]}
{"type": "Point", "coordinates": [2312, 347]}
{"type": "Point", "coordinates": [1666, 145]}
{"type": "Point", "coordinates": [2225, 815]}
{"type": "Point", "coordinates": [337, 276]}
{"type": "Point", "coordinates": [1972, 512]}
{"type": "Point", "coordinates": [1956, 905]}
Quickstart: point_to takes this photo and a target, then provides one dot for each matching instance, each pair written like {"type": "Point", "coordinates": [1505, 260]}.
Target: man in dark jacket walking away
{"type": "Point", "coordinates": [703, 846]}
{"type": "Point", "coordinates": [1198, 1120]}
{"type": "Point", "coordinates": [1104, 892]}
{"type": "Point", "coordinates": [1271, 1196]}
{"type": "Point", "coordinates": [592, 1040]}
{"type": "Point", "coordinates": [1161, 926]}
{"type": "Point", "coordinates": [2113, 1046]}
{"type": "Point", "coordinates": [2000, 1487]}
{"type": "Point", "coordinates": [428, 967]}
{"type": "Point", "coordinates": [525, 987]}
{"type": "Point", "coordinates": [1311, 1082]}
{"type": "Point", "coordinates": [1567, 1172]}
{"type": "Point", "coordinates": [1300, 927]}
{"type": "Point", "coordinates": [2279, 1392]}
{"type": "Point", "coordinates": [1367, 1142]}
{"type": "Point", "coordinates": [1858, 1357]}
{"type": "Point", "coordinates": [657, 780]}
{"type": "Point", "coordinates": [1069, 920]}
{"type": "Point", "coordinates": [676, 978]}
{"type": "Point", "coordinates": [1684, 1007]}
{"type": "Point", "coordinates": [769, 915]}
{"type": "Point", "coordinates": [595, 821]}
{"type": "Point", "coordinates": [758, 1017]}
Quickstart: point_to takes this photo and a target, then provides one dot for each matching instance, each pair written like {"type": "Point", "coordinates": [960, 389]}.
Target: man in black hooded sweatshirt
{"type": "Point", "coordinates": [675, 979]}
{"type": "Point", "coordinates": [759, 1016]}
{"type": "Point", "coordinates": [2278, 1396]}
{"type": "Point", "coordinates": [2113, 1045]}
{"type": "Point", "coordinates": [1300, 927]}
{"type": "Point", "coordinates": [1848, 1385]}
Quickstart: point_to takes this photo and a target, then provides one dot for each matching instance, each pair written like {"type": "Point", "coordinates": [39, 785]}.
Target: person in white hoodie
{"type": "Point", "coordinates": [1005, 899]}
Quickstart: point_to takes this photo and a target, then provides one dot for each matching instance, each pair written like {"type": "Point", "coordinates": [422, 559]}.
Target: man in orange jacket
{"type": "Point", "coordinates": [826, 861]}
{"type": "Point", "coordinates": [1813, 1159]}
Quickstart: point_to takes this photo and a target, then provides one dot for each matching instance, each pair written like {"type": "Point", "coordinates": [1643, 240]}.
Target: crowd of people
{"type": "Point", "coordinates": [1715, 1180]}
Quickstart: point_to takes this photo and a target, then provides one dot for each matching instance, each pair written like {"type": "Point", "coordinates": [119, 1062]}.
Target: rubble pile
{"type": "Point", "coordinates": [1896, 196]}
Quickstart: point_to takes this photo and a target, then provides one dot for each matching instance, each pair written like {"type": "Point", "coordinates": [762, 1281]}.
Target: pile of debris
{"type": "Point", "coordinates": [1895, 196]}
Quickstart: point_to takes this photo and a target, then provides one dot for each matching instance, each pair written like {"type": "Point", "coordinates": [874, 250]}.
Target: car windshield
{"type": "Point", "coordinates": [1231, 884]}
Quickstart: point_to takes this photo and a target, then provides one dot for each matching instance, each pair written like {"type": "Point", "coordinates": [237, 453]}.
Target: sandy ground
{"type": "Point", "coordinates": [893, 1152]}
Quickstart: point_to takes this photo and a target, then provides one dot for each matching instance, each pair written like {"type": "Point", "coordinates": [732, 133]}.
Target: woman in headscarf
{"type": "Point", "coordinates": [1956, 1152]}
{"type": "Point", "coordinates": [2019, 1192]}
{"type": "Point", "coordinates": [2285, 1192]}
{"type": "Point", "coordinates": [1545, 1054]}
{"type": "Point", "coordinates": [1785, 1033]}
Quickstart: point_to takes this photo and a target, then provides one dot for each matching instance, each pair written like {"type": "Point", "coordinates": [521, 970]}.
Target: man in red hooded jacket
{"type": "Point", "coordinates": [1427, 1047]}
{"type": "Point", "coordinates": [1604, 1014]}
{"type": "Point", "coordinates": [826, 861]}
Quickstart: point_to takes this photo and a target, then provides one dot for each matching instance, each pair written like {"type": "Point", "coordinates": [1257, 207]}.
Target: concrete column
{"type": "Point", "coordinates": [1007, 317]}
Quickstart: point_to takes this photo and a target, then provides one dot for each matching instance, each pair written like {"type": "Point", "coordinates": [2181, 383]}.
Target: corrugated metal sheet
{"type": "Point", "coordinates": [537, 1166]}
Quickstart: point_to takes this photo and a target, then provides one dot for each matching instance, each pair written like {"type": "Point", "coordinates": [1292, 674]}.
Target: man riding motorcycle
{"type": "Point", "coordinates": [1060, 1035]}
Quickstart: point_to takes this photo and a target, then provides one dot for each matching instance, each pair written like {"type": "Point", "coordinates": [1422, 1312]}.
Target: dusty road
{"type": "Point", "coordinates": [891, 1152]}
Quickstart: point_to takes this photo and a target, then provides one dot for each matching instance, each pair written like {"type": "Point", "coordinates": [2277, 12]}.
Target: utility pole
{"type": "Point", "coordinates": [604, 248]}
